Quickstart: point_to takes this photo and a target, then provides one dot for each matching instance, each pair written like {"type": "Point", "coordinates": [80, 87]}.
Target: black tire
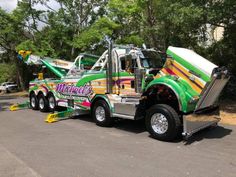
{"type": "Point", "coordinates": [52, 104]}
{"type": "Point", "coordinates": [34, 104]}
{"type": "Point", "coordinates": [102, 107]}
{"type": "Point", "coordinates": [170, 123]}
{"type": "Point", "coordinates": [43, 103]}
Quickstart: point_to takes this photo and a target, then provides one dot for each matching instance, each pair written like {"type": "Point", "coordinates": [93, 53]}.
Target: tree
{"type": "Point", "coordinates": [95, 33]}
{"type": "Point", "coordinates": [76, 26]}
{"type": "Point", "coordinates": [128, 14]}
{"type": "Point", "coordinates": [10, 30]}
{"type": "Point", "coordinates": [59, 26]}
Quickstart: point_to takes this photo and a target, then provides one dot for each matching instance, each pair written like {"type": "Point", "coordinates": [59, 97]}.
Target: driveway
{"type": "Point", "coordinates": [30, 147]}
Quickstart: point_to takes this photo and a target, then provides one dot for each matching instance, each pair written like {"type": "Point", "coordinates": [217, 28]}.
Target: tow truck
{"type": "Point", "coordinates": [177, 97]}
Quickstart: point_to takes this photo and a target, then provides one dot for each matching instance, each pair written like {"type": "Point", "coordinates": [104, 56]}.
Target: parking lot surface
{"type": "Point", "coordinates": [29, 147]}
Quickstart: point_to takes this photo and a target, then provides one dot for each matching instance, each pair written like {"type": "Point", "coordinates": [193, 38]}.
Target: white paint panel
{"type": "Point", "coordinates": [193, 58]}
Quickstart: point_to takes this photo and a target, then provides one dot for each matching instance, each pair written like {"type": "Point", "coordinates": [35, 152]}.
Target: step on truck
{"type": "Point", "coordinates": [176, 97]}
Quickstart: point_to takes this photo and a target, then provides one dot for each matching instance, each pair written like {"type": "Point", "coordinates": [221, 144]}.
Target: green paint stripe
{"type": "Point", "coordinates": [67, 113]}
{"type": "Point", "coordinates": [92, 77]}
{"type": "Point", "coordinates": [24, 105]}
{"type": "Point", "coordinates": [189, 66]}
{"type": "Point", "coordinates": [183, 90]}
{"type": "Point", "coordinates": [34, 88]}
{"type": "Point", "coordinates": [83, 107]}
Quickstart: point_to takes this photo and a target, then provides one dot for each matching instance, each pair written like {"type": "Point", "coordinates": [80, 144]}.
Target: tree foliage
{"type": "Point", "coordinates": [74, 26]}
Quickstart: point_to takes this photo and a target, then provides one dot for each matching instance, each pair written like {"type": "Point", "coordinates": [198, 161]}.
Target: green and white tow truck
{"type": "Point", "coordinates": [176, 97]}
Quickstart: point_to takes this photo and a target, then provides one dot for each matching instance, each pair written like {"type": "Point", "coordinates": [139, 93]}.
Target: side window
{"type": "Point", "coordinates": [127, 63]}
{"type": "Point", "coordinates": [122, 63]}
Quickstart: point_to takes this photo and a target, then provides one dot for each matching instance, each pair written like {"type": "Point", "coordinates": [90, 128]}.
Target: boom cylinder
{"type": "Point", "coordinates": [53, 69]}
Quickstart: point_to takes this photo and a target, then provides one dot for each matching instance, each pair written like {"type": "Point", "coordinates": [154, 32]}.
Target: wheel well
{"type": "Point", "coordinates": [40, 93]}
{"type": "Point", "coordinates": [96, 99]}
{"type": "Point", "coordinates": [50, 93]}
{"type": "Point", "coordinates": [162, 94]}
{"type": "Point", "coordinates": [31, 93]}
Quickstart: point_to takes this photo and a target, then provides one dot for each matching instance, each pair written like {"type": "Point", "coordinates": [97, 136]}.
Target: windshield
{"type": "Point", "coordinates": [151, 59]}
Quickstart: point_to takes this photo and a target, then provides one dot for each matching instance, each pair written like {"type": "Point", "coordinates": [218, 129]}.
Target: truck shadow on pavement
{"type": "Point", "coordinates": [121, 124]}
{"type": "Point", "coordinates": [209, 133]}
{"type": "Point", "coordinates": [130, 125]}
{"type": "Point", "coordinates": [139, 127]}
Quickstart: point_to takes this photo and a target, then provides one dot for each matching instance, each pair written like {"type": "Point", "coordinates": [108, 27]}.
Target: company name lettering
{"type": "Point", "coordinates": [74, 90]}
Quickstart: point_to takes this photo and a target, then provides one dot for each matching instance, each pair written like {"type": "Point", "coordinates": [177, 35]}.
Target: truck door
{"type": "Point", "coordinates": [126, 76]}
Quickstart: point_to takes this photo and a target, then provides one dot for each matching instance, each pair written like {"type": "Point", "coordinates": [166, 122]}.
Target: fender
{"type": "Point", "coordinates": [104, 97]}
{"type": "Point", "coordinates": [36, 91]}
{"type": "Point", "coordinates": [181, 88]}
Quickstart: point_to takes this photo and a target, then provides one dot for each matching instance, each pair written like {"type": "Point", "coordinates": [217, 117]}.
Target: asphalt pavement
{"type": "Point", "coordinates": [29, 147]}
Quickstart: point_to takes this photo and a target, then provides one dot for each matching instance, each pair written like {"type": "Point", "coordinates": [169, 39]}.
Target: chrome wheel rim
{"type": "Point", "coordinates": [51, 103]}
{"type": "Point", "coordinates": [100, 113]}
{"type": "Point", "coordinates": [159, 123]}
{"type": "Point", "coordinates": [41, 103]}
{"type": "Point", "coordinates": [33, 102]}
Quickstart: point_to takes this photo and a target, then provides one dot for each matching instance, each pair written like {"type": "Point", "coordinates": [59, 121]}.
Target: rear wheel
{"type": "Point", "coordinates": [101, 114]}
{"type": "Point", "coordinates": [43, 103]}
{"type": "Point", "coordinates": [163, 122]}
{"type": "Point", "coordinates": [34, 102]}
{"type": "Point", "coordinates": [52, 102]}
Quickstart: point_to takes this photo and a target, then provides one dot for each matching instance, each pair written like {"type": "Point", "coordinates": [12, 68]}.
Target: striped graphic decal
{"type": "Point", "coordinates": [175, 68]}
{"type": "Point", "coordinates": [187, 64]}
{"type": "Point", "coordinates": [187, 77]}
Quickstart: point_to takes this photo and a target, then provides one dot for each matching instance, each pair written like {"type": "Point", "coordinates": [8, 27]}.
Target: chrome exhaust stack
{"type": "Point", "coordinates": [110, 69]}
{"type": "Point", "coordinates": [139, 76]}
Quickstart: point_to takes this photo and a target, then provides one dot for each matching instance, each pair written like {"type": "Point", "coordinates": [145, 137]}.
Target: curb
{"type": "Point", "coordinates": [16, 94]}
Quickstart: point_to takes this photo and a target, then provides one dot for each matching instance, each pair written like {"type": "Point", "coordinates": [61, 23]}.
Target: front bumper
{"type": "Point", "coordinates": [199, 120]}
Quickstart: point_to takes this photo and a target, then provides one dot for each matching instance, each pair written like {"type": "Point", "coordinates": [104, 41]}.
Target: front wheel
{"type": "Point", "coordinates": [163, 122]}
{"type": "Point", "coordinates": [101, 114]}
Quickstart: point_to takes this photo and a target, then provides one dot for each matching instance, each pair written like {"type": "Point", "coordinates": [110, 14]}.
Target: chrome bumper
{"type": "Point", "coordinates": [199, 120]}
